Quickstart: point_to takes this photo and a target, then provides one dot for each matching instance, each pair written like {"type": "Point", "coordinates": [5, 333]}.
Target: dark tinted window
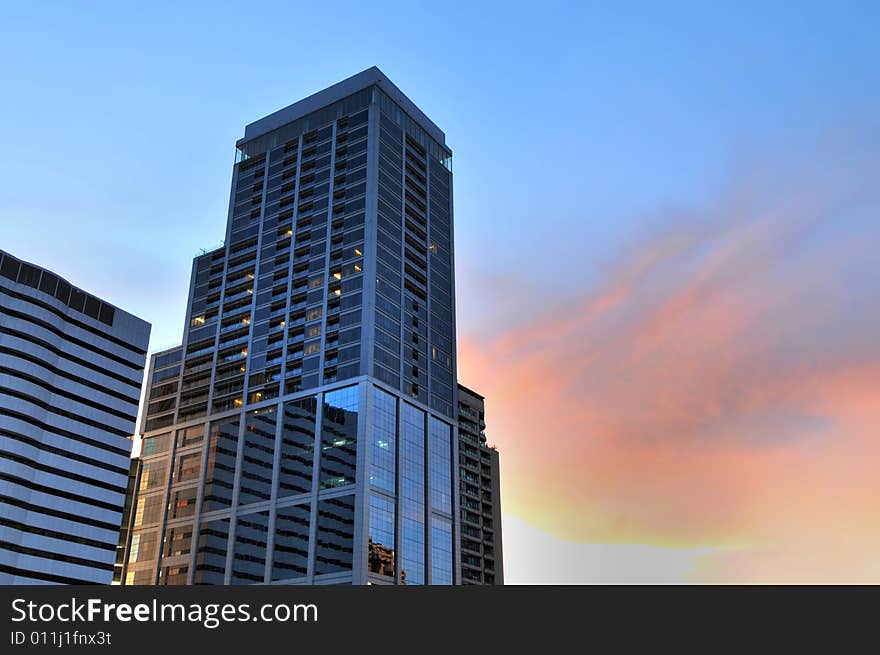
{"type": "Point", "coordinates": [335, 535]}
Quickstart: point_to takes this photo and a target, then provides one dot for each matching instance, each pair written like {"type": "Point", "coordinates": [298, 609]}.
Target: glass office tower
{"type": "Point", "coordinates": [304, 432]}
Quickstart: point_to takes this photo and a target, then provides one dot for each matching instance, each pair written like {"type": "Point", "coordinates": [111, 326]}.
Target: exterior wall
{"type": "Point", "coordinates": [283, 322]}
{"type": "Point", "coordinates": [480, 494]}
{"type": "Point", "coordinates": [70, 377]}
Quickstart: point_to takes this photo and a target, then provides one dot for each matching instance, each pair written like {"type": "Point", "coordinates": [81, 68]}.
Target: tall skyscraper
{"type": "Point", "coordinates": [480, 494]}
{"type": "Point", "coordinates": [71, 369]}
{"type": "Point", "coordinates": [304, 430]}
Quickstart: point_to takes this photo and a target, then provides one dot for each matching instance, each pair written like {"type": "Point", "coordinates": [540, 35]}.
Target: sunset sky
{"type": "Point", "coordinates": [667, 242]}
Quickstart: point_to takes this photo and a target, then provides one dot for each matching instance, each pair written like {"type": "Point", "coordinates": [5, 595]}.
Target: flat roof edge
{"type": "Point", "coordinates": [134, 320]}
{"type": "Point", "coordinates": [369, 77]}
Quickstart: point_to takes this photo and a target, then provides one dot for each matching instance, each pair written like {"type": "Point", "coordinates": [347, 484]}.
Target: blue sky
{"type": "Point", "coordinates": [121, 119]}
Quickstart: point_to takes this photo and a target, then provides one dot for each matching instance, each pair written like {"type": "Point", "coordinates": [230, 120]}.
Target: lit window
{"type": "Point", "coordinates": [357, 251]}
{"type": "Point", "coordinates": [237, 402]}
{"type": "Point", "coordinates": [338, 292]}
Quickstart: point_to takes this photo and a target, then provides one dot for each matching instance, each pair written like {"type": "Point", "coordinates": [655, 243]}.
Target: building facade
{"type": "Point", "coordinates": [304, 431]}
{"type": "Point", "coordinates": [480, 494]}
{"type": "Point", "coordinates": [71, 369]}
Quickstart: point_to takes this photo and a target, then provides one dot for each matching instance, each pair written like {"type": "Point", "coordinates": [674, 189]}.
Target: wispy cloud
{"type": "Point", "coordinates": [720, 387]}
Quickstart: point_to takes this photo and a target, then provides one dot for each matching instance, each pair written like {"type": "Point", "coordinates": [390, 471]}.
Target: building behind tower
{"type": "Point", "coordinates": [480, 492]}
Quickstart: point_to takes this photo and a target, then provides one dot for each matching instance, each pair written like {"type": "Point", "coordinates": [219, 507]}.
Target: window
{"type": "Point", "coordinates": [440, 455]}
{"type": "Point", "coordinates": [339, 437]}
{"type": "Point", "coordinates": [383, 441]}
{"type": "Point", "coordinates": [441, 551]}
{"type": "Point", "coordinates": [297, 447]}
{"type": "Point", "coordinates": [187, 467]}
{"type": "Point", "coordinates": [154, 474]}
{"type": "Point", "coordinates": [183, 503]}
{"type": "Point", "coordinates": [211, 553]}
{"type": "Point", "coordinates": [249, 551]}
{"type": "Point", "coordinates": [291, 546]}
{"type": "Point", "coordinates": [220, 469]}
{"type": "Point", "coordinates": [412, 495]}
{"type": "Point", "coordinates": [335, 538]}
{"type": "Point", "coordinates": [156, 445]}
{"type": "Point", "coordinates": [258, 456]}
{"type": "Point", "coordinates": [380, 544]}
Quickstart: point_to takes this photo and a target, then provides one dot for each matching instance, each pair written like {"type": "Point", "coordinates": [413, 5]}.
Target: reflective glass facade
{"type": "Point", "coordinates": [249, 554]}
{"type": "Point", "coordinates": [308, 414]}
{"type": "Point", "coordinates": [339, 427]}
{"type": "Point", "coordinates": [291, 551]}
{"type": "Point", "coordinates": [383, 442]}
{"type": "Point", "coordinates": [412, 495]}
{"type": "Point", "coordinates": [335, 542]}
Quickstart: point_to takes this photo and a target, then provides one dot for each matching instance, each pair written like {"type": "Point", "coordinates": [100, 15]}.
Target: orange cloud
{"type": "Point", "coordinates": [719, 389]}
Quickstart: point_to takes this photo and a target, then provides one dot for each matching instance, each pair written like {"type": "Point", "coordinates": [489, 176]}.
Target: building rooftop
{"type": "Point", "coordinates": [369, 77]}
{"type": "Point", "coordinates": [74, 298]}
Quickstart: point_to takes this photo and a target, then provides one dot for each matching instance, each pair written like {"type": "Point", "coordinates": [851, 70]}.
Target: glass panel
{"type": "Point", "coordinates": [220, 471]}
{"type": "Point", "coordinates": [381, 538]}
{"type": "Point", "coordinates": [187, 467]}
{"type": "Point", "coordinates": [249, 553]}
{"type": "Point", "coordinates": [154, 474]}
{"type": "Point", "coordinates": [140, 577]}
{"type": "Point", "coordinates": [143, 547]}
{"type": "Point", "coordinates": [297, 447]}
{"type": "Point", "coordinates": [412, 496]}
{"type": "Point", "coordinates": [173, 575]}
{"type": "Point", "coordinates": [183, 503]}
{"type": "Point", "coordinates": [211, 556]}
{"type": "Point", "coordinates": [149, 509]}
{"type": "Point", "coordinates": [155, 445]}
{"type": "Point", "coordinates": [178, 540]}
{"type": "Point", "coordinates": [291, 549]}
{"type": "Point", "coordinates": [441, 551]}
{"type": "Point", "coordinates": [335, 535]}
{"type": "Point", "coordinates": [339, 437]}
{"type": "Point", "coordinates": [383, 441]}
{"type": "Point", "coordinates": [190, 436]}
{"type": "Point", "coordinates": [259, 453]}
{"type": "Point", "coordinates": [440, 448]}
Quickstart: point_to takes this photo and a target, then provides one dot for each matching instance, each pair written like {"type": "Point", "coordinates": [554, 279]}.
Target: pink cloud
{"type": "Point", "coordinates": [720, 387]}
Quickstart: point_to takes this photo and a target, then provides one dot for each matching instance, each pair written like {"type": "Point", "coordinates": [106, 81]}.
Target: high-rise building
{"type": "Point", "coordinates": [304, 430]}
{"type": "Point", "coordinates": [134, 476]}
{"type": "Point", "coordinates": [480, 494]}
{"type": "Point", "coordinates": [71, 368]}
